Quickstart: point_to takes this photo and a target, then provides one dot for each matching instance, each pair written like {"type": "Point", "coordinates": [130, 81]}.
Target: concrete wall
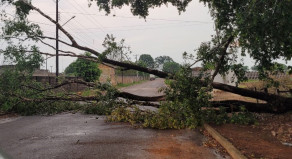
{"type": "Point", "coordinates": [107, 74]}
{"type": "Point", "coordinates": [73, 87]}
{"type": "Point", "coordinates": [229, 79]}
{"type": "Point", "coordinates": [254, 75]}
{"type": "Point", "coordinates": [130, 79]}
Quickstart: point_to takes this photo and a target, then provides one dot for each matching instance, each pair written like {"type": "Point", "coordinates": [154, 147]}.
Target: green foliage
{"type": "Point", "coordinates": [20, 94]}
{"type": "Point", "coordinates": [220, 116]}
{"type": "Point", "coordinates": [138, 7]}
{"type": "Point", "coordinates": [98, 109]}
{"type": "Point", "coordinates": [185, 97]}
{"type": "Point", "coordinates": [254, 24]}
{"type": "Point", "coordinates": [254, 68]}
{"type": "Point", "coordinates": [23, 61]}
{"type": "Point", "coordinates": [171, 67]}
{"type": "Point", "coordinates": [279, 68]}
{"type": "Point", "coordinates": [146, 60]}
{"type": "Point", "coordinates": [88, 70]}
{"type": "Point", "coordinates": [239, 70]}
{"type": "Point", "coordinates": [187, 106]}
{"type": "Point", "coordinates": [215, 117]}
{"type": "Point", "coordinates": [115, 50]}
{"type": "Point", "coordinates": [131, 114]}
{"type": "Point", "coordinates": [260, 28]}
{"type": "Point", "coordinates": [161, 60]}
{"type": "Point", "coordinates": [243, 117]}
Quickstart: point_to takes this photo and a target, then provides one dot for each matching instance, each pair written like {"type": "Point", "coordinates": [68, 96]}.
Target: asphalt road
{"type": "Point", "coordinates": [74, 136]}
{"type": "Point", "coordinates": [149, 88]}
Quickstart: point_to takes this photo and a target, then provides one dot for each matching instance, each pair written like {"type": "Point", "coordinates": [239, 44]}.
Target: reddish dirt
{"type": "Point", "coordinates": [212, 143]}
{"type": "Point", "coordinates": [172, 144]}
{"type": "Point", "coordinates": [263, 140]}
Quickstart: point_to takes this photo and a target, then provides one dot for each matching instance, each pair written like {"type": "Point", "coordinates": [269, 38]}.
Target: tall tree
{"type": "Point", "coordinates": [171, 67]}
{"type": "Point", "coordinates": [147, 60]}
{"type": "Point", "coordinates": [88, 70]}
{"type": "Point", "coordinates": [116, 50]}
{"type": "Point", "coordinates": [160, 60]}
{"type": "Point", "coordinates": [260, 27]}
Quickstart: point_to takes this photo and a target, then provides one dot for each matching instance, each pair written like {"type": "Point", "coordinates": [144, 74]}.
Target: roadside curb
{"type": "Point", "coordinates": [233, 152]}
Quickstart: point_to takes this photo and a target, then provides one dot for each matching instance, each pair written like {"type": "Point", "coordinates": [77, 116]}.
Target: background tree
{"type": "Point", "coordinates": [160, 60]}
{"type": "Point", "coordinates": [254, 68]}
{"type": "Point", "coordinates": [171, 67]}
{"type": "Point", "coordinates": [88, 70]}
{"type": "Point", "coordinates": [260, 28]}
{"type": "Point", "coordinates": [279, 67]}
{"type": "Point", "coordinates": [116, 50]}
{"type": "Point", "coordinates": [245, 68]}
{"type": "Point", "coordinates": [147, 60]}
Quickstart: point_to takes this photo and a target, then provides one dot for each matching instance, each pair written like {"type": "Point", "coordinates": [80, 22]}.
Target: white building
{"type": "Point", "coordinates": [229, 78]}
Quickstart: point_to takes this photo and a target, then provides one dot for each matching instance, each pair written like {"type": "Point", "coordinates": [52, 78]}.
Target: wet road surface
{"type": "Point", "coordinates": [76, 136]}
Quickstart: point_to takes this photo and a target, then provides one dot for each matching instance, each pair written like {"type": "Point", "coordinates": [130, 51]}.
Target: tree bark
{"type": "Point", "coordinates": [279, 103]}
{"type": "Point", "coordinates": [234, 106]}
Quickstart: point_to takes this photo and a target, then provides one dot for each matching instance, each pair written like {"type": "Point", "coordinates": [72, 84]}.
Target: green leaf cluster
{"type": "Point", "coordinates": [86, 69]}
{"type": "Point", "coordinates": [171, 67]}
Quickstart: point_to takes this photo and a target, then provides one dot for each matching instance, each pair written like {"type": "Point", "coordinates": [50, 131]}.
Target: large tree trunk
{"type": "Point", "coordinates": [234, 106]}
{"type": "Point", "coordinates": [277, 103]}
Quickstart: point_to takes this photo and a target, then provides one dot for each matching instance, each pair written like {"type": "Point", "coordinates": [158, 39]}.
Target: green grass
{"type": "Point", "coordinates": [89, 92]}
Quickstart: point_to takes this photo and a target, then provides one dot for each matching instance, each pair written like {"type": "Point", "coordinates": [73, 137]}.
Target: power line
{"type": "Point", "coordinates": [82, 37]}
{"type": "Point", "coordinates": [91, 19]}
{"type": "Point", "coordinates": [147, 28]}
{"type": "Point", "coordinates": [158, 19]}
{"type": "Point", "coordinates": [129, 26]}
{"type": "Point", "coordinates": [74, 24]}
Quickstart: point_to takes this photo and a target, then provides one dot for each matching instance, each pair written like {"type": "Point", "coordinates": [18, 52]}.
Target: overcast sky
{"type": "Point", "coordinates": [164, 32]}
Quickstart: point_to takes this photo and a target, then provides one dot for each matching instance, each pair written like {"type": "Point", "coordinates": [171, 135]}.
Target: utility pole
{"type": "Point", "coordinates": [57, 40]}
{"type": "Point", "coordinates": [46, 62]}
{"type": "Point", "coordinates": [136, 64]}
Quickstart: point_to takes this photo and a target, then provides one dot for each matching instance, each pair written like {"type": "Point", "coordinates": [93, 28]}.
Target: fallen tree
{"type": "Point", "coordinates": [216, 54]}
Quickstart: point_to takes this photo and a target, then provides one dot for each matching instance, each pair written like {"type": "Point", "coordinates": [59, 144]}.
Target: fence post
{"type": "Point", "coordinates": [122, 76]}
{"type": "Point", "coordinates": [255, 89]}
{"type": "Point", "coordinates": [278, 91]}
{"type": "Point", "coordinates": [266, 90]}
